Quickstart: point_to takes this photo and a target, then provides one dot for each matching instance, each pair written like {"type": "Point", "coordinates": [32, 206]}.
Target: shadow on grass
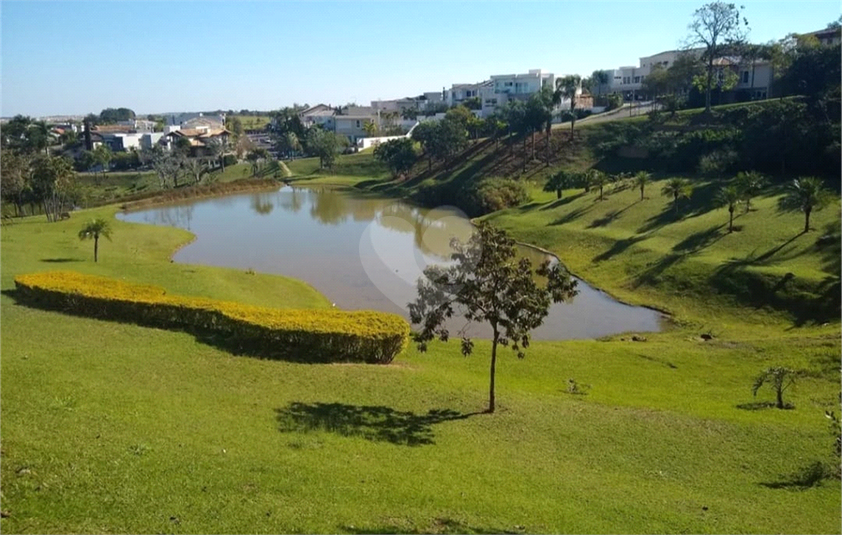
{"type": "Point", "coordinates": [807, 477]}
{"type": "Point", "coordinates": [561, 202]}
{"type": "Point", "coordinates": [619, 246]}
{"type": "Point", "coordinates": [438, 526]}
{"type": "Point", "coordinates": [699, 240]}
{"type": "Point", "coordinates": [375, 423]}
{"type": "Point", "coordinates": [60, 260]}
{"type": "Point", "coordinates": [651, 275]}
{"type": "Point", "coordinates": [572, 216]}
{"type": "Point", "coordinates": [762, 405]}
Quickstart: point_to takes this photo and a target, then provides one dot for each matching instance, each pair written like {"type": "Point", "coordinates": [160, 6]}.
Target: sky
{"type": "Point", "coordinates": [69, 58]}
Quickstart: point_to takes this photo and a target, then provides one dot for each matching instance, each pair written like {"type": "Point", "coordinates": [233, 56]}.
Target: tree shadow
{"type": "Point", "coordinates": [651, 274]}
{"type": "Point", "coordinates": [375, 423]}
{"type": "Point", "coordinates": [438, 526]}
{"type": "Point", "coordinates": [606, 220]}
{"type": "Point", "coordinates": [763, 259]}
{"type": "Point", "coordinates": [572, 216]}
{"type": "Point", "coordinates": [699, 240]}
{"type": "Point", "coordinates": [806, 477]}
{"type": "Point", "coordinates": [757, 406]}
{"type": "Point", "coordinates": [60, 260]}
{"type": "Point", "coordinates": [561, 202]}
{"type": "Point", "coordinates": [668, 215]}
{"type": "Point", "coordinates": [619, 246]}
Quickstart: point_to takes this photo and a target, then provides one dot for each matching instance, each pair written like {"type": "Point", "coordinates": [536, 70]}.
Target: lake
{"type": "Point", "coordinates": [361, 252]}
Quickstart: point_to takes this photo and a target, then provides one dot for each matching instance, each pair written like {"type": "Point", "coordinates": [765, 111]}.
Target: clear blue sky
{"type": "Point", "coordinates": [152, 56]}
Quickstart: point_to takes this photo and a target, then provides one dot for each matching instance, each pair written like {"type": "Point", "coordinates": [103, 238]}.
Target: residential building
{"type": "Point", "coordinates": [828, 36]}
{"type": "Point", "coordinates": [459, 93]}
{"type": "Point", "coordinates": [139, 125]}
{"type": "Point", "coordinates": [199, 138]}
{"type": "Point", "coordinates": [189, 120]}
{"type": "Point", "coordinates": [320, 114]}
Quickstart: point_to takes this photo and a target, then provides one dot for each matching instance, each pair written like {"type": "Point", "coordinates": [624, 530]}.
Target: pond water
{"type": "Point", "coordinates": [361, 252]}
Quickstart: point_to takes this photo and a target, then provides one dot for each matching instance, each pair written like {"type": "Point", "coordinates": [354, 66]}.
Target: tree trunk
{"type": "Point", "coordinates": [709, 84]}
{"type": "Point", "coordinates": [807, 219]}
{"type": "Point", "coordinates": [730, 219]}
{"type": "Point", "coordinates": [780, 399]}
{"type": "Point", "coordinates": [491, 404]}
{"type": "Point", "coordinates": [558, 193]}
{"type": "Point", "coordinates": [675, 203]}
{"type": "Point", "coordinates": [641, 192]}
{"type": "Point", "coordinates": [96, 246]}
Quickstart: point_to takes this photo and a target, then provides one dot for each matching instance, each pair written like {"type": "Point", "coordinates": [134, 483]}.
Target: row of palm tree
{"type": "Point", "coordinates": [804, 194]}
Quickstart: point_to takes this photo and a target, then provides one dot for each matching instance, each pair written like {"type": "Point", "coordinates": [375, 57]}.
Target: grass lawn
{"type": "Point", "coordinates": [110, 427]}
{"type": "Point", "coordinates": [252, 122]}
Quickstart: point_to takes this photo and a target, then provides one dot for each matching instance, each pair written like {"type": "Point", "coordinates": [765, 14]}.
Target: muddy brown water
{"type": "Point", "coordinates": [362, 252]}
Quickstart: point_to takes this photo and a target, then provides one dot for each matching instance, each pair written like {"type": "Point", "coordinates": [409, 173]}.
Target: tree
{"type": "Point", "coordinates": [537, 115]}
{"type": "Point", "coordinates": [236, 127]}
{"type": "Point", "coordinates": [599, 79]}
{"type": "Point", "coordinates": [718, 27]}
{"type": "Point", "coordinates": [292, 144]}
{"type": "Point", "coordinates": [805, 194]}
{"type": "Point", "coordinates": [325, 145]}
{"type": "Point", "coordinates": [567, 87]}
{"type": "Point", "coordinates": [677, 188]}
{"type": "Point", "coordinates": [196, 168]}
{"type": "Point", "coordinates": [53, 181]}
{"type": "Point", "coordinates": [115, 115]}
{"type": "Point", "coordinates": [729, 196]}
{"type": "Point", "coordinates": [369, 128]}
{"type": "Point", "coordinates": [449, 138]}
{"type": "Point", "coordinates": [167, 165]}
{"type": "Point", "coordinates": [779, 379]}
{"type": "Point", "coordinates": [14, 179]}
{"type": "Point", "coordinates": [424, 134]}
{"type": "Point", "coordinates": [750, 184]}
{"type": "Point", "coordinates": [496, 127]}
{"type": "Point", "coordinates": [492, 286]}
{"type": "Point", "coordinates": [93, 229]}
{"type": "Point", "coordinates": [560, 181]}
{"type": "Point", "coordinates": [102, 157]}
{"type": "Point", "coordinates": [641, 178]}
{"type": "Point", "coordinates": [398, 155]}
{"type": "Point", "coordinates": [218, 146]}
{"type": "Point", "coordinates": [257, 156]}
{"type": "Point", "coordinates": [598, 179]}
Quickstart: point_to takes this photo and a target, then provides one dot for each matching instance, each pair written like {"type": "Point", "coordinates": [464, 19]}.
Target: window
{"type": "Point", "coordinates": [358, 124]}
{"type": "Point", "coordinates": [745, 77]}
{"type": "Point", "coordinates": [637, 79]}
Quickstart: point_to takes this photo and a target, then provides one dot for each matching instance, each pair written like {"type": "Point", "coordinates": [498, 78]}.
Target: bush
{"type": "Point", "coordinates": [312, 335]}
{"type": "Point", "coordinates": [124, 161]}
{"type": "Point", "coordinates": [229, 159]}
{"type": "Point", "coordinates": [492, 194]}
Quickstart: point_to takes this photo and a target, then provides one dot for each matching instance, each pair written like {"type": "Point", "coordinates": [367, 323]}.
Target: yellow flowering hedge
{"type": "Point", "coordinates": [316, 335]}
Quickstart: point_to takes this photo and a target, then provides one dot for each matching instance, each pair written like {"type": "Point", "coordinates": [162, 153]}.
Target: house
{"type": "Point", "coordinates": [629, 80]}
{"type": "Point", "coordinates": [199, 138]}
{"type": "Point", "coordinates": [320, 114]}
{"type": "Point", "coordinates": [828, 36]}
{"type": "Point", "coordinates": [139, 125]}
{"type": "Point", "coordinates": [190, 120]}
{"type": "Point", "coordinates": [459, 93]}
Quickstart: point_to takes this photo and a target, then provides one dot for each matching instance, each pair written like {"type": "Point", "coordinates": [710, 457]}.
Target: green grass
{"type": "Point", "coordinates": [115, 427]}
{"type": "Point", "coordinates": [111, 427]}
{"type": "Point", "coordinates": [252, 122]}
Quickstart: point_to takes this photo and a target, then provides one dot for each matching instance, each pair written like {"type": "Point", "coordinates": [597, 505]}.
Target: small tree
{"type": "Point", "coordinates": [805, 194]}
{"type": "Point", "coordinates": [677, 188]}
{"type": "Point", "coordinates": [492, 286]}
{"type": "Point", "coordinates": [598, 179]}
{"type": "Point", "coordinates": [750, 184]}
{"type": "Point", "coordinates": [197, 168]}
{"type": "Point", "coordinates": [729, 196]}
{"type": "Point", "coordinates": [559, 181]}
{"type": "Point", "coordinates": [779, 379]}
{"type": "Point", "coordinates": [641, 179]}
{"type": "Point", "coordinates": [370, 128]}
{"type": "Point", "coordinates": [398, 155]}
{"type": "Point", "coordinates": [93, 229]}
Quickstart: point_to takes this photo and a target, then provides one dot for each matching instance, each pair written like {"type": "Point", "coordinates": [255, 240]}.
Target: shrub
{"type": "Point", "coordinates": [492, 194]}
{"type": "Point", "coordinates": [229, 159]}
{"type": "Point", "coordinates": [313, 335]}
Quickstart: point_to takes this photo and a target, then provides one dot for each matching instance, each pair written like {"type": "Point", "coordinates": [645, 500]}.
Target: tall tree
{"type": "Point", "coordinates": [600, 79]}
{"type": "Point", "coordinates": [53, 181]}
{"type": "Point", "coordinates": [398, 155]}
{"type": "Point", "coordinates": [806, 194]}
{"type": "Point", "coordinates": [217, 147]}
{"type": "Point", "coordinates": [93, 230]}
{"type": "Point", "coordinates": [729, 196]}
{"type": "Point", "coordinates": [560, 181]}
{"type": "Point", "coordinates": [718, 27]}
{"type": "Point", "coordinates": [641, 179]}
{"type": "Point", "coordinates": [424, 134]}
{"type": "Point", "coordinates": [677, 188]}
{"type": "Point", "coordinates": [492, 286]}
{"type": "Point", "coordinates": [750, 184]}
{"type": "Point", "coordinates": [567, 87]}
{"type": "Point", "coordinates": [14, 179]}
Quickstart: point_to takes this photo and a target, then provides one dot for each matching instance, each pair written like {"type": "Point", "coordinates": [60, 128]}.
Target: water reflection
{"type": "Point", "coordinates": [362, 253]}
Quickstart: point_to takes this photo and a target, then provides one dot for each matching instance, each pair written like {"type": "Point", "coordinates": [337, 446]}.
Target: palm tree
{"type": "Point", "coordinates": [560, 181]}
{"type": "Point", "coordinates": [94, 229]}
{"type": "Point", "coordinates": [677, 188]}
{"type": "Point", "coordinates": [779, 379]}
{"type": "Point", "coordinates": [729, 196]}
{"type": "Point", "coordinates": [806, 194]}
{"type": "Point", "coordinates": [750, 184]}
{"type": "Point", "coordinates": [566, 87]}
{"type": "Point", "coordinates": [598, 179]}
{"type": "Point", "coordinates": [641, 178]}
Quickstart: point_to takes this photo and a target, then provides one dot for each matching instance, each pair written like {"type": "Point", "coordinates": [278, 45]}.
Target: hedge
{"type": "Point", "coordinates": [312, 335]}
